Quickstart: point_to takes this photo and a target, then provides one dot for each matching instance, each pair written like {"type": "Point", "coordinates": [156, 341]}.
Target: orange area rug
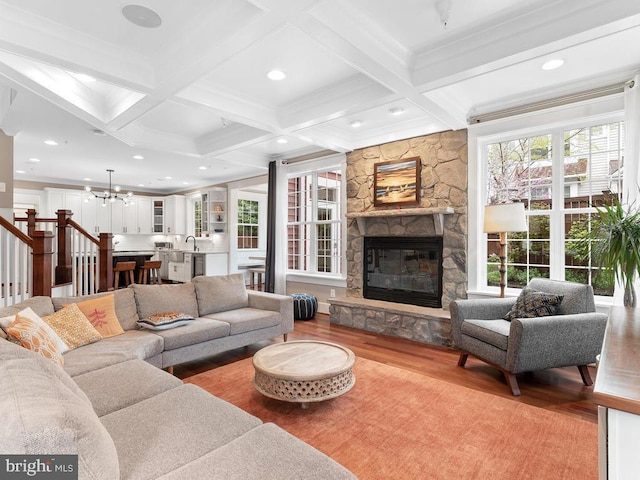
{"type": "Point", "coordinates": [397, 424]}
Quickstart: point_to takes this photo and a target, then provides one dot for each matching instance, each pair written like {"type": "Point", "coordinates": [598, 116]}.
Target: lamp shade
{"type": "Point", "coordinates": [504, 217]}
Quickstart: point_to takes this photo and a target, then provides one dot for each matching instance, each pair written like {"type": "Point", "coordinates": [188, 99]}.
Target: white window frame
{"type": "Point", "coordinates": [259, 235]}
{"type": "Point", "coordinates": [331, 163]}
{"type": "Point", "coordinates": [555, 121]}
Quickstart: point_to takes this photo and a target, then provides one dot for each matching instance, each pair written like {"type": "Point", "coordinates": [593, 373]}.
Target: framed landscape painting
{"type": "Point", "coordinates": [397, 182]}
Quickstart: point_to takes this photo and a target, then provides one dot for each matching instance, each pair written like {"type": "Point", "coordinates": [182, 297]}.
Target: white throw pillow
{"type": "Point", "coordinates": [33, 316]}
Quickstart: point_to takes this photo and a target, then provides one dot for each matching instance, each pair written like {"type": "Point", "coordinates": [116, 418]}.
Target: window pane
{"type": "Point", "coordinates": [591, 166]}
{"type": "Point", "coordinates": [248, 224]}
{"type": "Point", "coordinates": [314, 228]}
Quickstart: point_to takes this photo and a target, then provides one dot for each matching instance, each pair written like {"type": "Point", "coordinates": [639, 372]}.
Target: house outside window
{"type": "Point", "coordinates": [248, 229]}
{"type": "Point", "coordinates": [314, 242]}
{"type": "Point", "coordinates": [561, 176]}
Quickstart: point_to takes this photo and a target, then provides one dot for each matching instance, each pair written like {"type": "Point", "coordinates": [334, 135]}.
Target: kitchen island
{"type": "Point", "coordinates": [138, 256]}
{"type": "Point", "coordinates": [183, 265]}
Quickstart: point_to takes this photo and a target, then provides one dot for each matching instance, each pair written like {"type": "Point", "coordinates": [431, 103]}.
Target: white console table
{"type": "Point", "coordinates": [617, 393]}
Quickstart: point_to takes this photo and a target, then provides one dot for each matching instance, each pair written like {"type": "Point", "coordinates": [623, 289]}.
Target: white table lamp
{"type": "Point", "coordinates": [502, 218]}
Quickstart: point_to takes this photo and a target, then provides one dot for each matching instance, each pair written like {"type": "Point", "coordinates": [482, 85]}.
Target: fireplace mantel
{"type": "Point", "coordinates": [437, 212]}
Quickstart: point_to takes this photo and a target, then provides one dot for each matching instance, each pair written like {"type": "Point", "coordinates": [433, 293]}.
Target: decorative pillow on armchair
{"type": "Point", "coordinates": [532, 303]}
{"type": "Point", "coordinates": [164, 321]}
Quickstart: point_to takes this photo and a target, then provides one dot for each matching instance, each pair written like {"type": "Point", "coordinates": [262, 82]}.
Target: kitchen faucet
{"type": "Point", "coordinates": [186, 240]}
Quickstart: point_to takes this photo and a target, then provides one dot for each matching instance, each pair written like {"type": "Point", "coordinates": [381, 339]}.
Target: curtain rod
{"type": "Point", "coordinates": [552, 102]}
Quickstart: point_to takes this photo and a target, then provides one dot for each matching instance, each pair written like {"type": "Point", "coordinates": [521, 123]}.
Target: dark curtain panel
{"type": "Point", "coordinates": [270, 261]}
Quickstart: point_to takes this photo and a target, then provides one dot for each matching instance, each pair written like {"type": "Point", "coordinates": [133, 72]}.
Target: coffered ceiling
{"type": "Point", "coordinates": [192, 97]}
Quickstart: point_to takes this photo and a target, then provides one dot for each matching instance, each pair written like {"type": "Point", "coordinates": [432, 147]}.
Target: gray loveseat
{"type": "Point", "coordinates": [127, 419]}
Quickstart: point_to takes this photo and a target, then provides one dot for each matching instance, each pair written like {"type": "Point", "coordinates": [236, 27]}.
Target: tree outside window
{"type": "Point", "coordinates": [525, 170]}
{"type": "Point", "coordinates": [247, 224]}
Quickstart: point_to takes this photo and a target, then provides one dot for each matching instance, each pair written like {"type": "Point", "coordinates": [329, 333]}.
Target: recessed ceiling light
{"type": "Point", "coordinates": [141, 16]}
{"type": "Point", "coordinates": [53, 143]}
{"type": "Point", "coordinates": [168, 178]}
{"type": "Point", "coordinates": [20, 171]}
{"type": "Point", "coordinates": [138, 157]}
{"type": "Point", "coordinates": [356, 123]}
{"type": "Point", "coordinates": [396, 111]}
{"type": "Point", "coordinates": [86, 179]}
{"type": "Point", "coordinates": [282, 141]}
{"type": "Point", "coordinates": [33, 160]}
{"type": "Point", "coordinates": [276, 75]}
{"type": "Point", "coordinates": [185, 183]}
{"type": "Point", "coordinates": [141, 185]}
{"type": "Point", "coordinates": [553, 64]}
{"type": "Point", "coordinates": [202, 167]}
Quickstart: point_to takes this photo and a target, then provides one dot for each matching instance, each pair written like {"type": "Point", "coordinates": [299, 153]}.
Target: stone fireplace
{"type": "Point", "coordinates": [442, 213]}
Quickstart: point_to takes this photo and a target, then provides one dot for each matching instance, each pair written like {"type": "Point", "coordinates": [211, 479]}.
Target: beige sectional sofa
{"type": "Point", "coordinates": [126, 418]}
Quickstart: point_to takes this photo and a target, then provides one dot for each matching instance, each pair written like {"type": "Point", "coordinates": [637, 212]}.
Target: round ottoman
{"type": "Point", "coordinates": [305, 306]}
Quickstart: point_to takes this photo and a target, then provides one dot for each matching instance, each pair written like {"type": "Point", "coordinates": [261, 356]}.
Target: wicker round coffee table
{"type": "Point", "coordinates": [303, 371]}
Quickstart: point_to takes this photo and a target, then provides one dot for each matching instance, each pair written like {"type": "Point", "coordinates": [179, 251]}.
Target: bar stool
{"type": "Point", "coordinates": [127, 268]}
{"type": "Point", "coordinates": [150, 271]}
{"type": "Point", "coordinates": [256, 272]}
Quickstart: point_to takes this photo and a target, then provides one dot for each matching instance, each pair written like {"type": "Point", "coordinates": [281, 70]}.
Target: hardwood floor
{"type": "Point", "coordinates": [560, 390]}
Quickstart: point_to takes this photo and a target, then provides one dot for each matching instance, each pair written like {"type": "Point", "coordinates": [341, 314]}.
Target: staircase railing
{"type": "Point", "coordinates": [79, 258]}
{"type": "Point", "coordinates": [25, 263]}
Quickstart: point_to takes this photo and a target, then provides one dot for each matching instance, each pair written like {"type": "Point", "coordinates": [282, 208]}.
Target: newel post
{"type": "Point", "coordinates": [42, 262]}
{"type": "Point", "coordinates": [106, 262]}
{"type": "Point", "coordinates": [64, 268]}
{"type": "Point", "coordinates": [31, 222]}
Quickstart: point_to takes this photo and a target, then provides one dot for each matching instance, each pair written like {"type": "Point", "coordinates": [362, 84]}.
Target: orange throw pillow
{"type": "Point", "coordinates": [35, 337]}
{"type": "Point", "coordinates": [72, 327]}
{"type": "Point", "coordinates": [101, 312]}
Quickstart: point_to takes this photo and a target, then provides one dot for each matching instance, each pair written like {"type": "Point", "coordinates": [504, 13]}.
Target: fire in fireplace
{"type": "Point", "coordinates": [403, 270]}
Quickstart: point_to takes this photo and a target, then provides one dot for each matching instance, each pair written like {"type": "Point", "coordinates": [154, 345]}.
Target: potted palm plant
{"type": "Point", "coordinates": [614, 239]}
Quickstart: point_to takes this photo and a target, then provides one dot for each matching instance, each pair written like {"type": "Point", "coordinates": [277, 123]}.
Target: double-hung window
{"type": "Point", "coordinates": [313, 222]}
{"type": "Point", "coordinates": [248, 229]}
{"type": "Point", "coordinates": [561, 175]}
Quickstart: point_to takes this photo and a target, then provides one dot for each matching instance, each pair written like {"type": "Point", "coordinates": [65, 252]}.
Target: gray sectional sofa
{"type": "Point", "coordinates": [126, 418]}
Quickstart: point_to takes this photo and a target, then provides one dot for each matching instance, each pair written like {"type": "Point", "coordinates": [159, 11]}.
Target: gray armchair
{"type": "Point", "coordinates": [571, 337]}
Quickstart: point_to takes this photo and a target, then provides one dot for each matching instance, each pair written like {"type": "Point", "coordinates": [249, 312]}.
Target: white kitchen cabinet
{"type": "Point", "coordinates": [124, 219]}
{"type": "Point", "coordinates": [145, 214]}
{"type": "Point", "coordinates": [210, 264]}
{"type": "Point", "coordinates": [175, 215]}
{"type": "Point", "coordinates": [169, 215]}
{"type": "Point", "coordinates": [96, 218]}
{"type": "Point", "coordinates": [181, 271]}
{"type": "Point", "coordinates": [62, 199]}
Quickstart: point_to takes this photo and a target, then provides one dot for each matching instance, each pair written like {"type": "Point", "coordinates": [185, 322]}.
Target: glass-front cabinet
{"type": "Point", "coordinates": [158, 216]}
{"type": "Point", "coordinates": [214, 212]}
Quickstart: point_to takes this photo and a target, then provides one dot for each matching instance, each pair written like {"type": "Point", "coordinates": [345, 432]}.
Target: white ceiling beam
{"type": "Point", "coordinates": [49, 42]}
{"type": "Point", "coordinates": [240, 110]}
{"type": "Point", "coordinates": [356, 51]}
{"type": "Point", "coordinates": [330, 103]}
{"type": "Point", "coordinates": [512, 40]}
{"type": "Point", "coordinates": [231, 137]}
{"type": "Point", "coordinates": [206, 47]}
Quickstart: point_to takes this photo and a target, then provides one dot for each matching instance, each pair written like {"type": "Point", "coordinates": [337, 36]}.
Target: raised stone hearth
{"type": "Point", "coordinates": [442, 211]}
{"type": "Point", "coordinates": [423, 324]}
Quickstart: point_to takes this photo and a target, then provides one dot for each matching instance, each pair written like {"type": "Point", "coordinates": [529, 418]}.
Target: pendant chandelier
{"type": "Point", "coordinates": [109, 195]}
